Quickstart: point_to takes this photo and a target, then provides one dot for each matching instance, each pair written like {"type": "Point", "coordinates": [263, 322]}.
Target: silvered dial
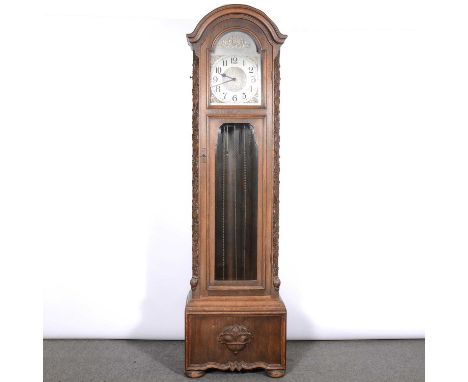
{"type": "Point", "coordinates": [235, 80]}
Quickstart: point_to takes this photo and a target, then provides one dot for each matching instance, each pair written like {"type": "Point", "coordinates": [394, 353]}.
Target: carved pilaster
{"type": "Point", "coordinates": [195, 177]}
{"type": "Point", "coordinates": [276, 170]}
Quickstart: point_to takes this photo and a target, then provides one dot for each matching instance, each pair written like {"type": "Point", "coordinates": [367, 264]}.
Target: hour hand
{"type": "Point", "coordinates": [225, 75]}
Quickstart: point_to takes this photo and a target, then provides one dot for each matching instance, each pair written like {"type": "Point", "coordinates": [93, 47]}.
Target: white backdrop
{"type": "Point", "coordinates": [115, 95]}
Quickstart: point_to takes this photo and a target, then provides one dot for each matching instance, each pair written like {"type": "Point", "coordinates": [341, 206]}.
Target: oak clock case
{"type": "Point", "coordinates": [234, 318]}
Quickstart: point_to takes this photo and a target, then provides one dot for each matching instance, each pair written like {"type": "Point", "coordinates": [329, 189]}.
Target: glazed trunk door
{"type": "Point", "coordinates": [236, 169]}
{"type": "Point", "coordinates": [235, 223]}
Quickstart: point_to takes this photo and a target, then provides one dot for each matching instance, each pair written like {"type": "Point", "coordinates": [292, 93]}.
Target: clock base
{"type": "Point", "coordinates": [235, 334]}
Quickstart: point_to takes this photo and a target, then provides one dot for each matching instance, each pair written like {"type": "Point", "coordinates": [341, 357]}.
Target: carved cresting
{"type": "Point", "coordinates": [195, 177]}
{"type": "Point", "coordinates": [235, 337]}
{"type": "Point", "coordinates": [276, 170]}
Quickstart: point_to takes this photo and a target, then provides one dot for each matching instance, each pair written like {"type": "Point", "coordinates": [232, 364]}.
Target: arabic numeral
{"type": "Point", "coordinates": [218, 69]}
{"type": "Point", "coordinates": [233, 60]}
{"type": "Point", "coordinates": [234, 98]}
{"type": "Point", "coordinates": [251, 69]}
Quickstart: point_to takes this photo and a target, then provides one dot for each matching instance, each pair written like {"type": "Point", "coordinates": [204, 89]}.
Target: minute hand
{"type": "Point", "coordinates": [233, 79]}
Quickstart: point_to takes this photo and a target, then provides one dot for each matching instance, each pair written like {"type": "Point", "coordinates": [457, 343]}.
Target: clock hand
{"type": "Point", "coordinates": [225, 75]}
{"type": "Point", "coordinates": [232, 79]}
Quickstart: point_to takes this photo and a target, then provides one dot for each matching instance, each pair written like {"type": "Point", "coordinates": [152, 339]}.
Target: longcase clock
{"type": "Point", "coordinates": [234, 318]}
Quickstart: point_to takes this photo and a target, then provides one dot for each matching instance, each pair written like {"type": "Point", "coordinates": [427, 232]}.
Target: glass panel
{"type": "Point", "coordinates": [235, 76]}
{"type": "Point", "coordinates": [236, 203]}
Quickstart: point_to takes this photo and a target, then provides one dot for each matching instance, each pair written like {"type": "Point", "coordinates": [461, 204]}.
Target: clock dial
{"type": "Point", "coordinates": [235, 80]}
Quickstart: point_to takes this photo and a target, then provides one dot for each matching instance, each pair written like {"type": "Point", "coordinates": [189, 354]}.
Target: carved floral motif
{"type": "Point", "coordinates": [235, 337]}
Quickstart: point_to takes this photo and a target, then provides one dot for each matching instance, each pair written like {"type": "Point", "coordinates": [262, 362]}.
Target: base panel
{"type": "Point", "coordinates": [235, 339]}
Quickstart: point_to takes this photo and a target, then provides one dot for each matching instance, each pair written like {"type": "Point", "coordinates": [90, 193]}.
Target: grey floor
{"type": "Point", "coordinates": [317, 361]}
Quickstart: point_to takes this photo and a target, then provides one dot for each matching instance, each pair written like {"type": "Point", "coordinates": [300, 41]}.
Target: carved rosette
{"type": "Point", "coordinates": [235, 337]}
{"type": "Point", "coordinates": [276, 170]}
{"type": "Point", "coordinates": [195, 176]}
